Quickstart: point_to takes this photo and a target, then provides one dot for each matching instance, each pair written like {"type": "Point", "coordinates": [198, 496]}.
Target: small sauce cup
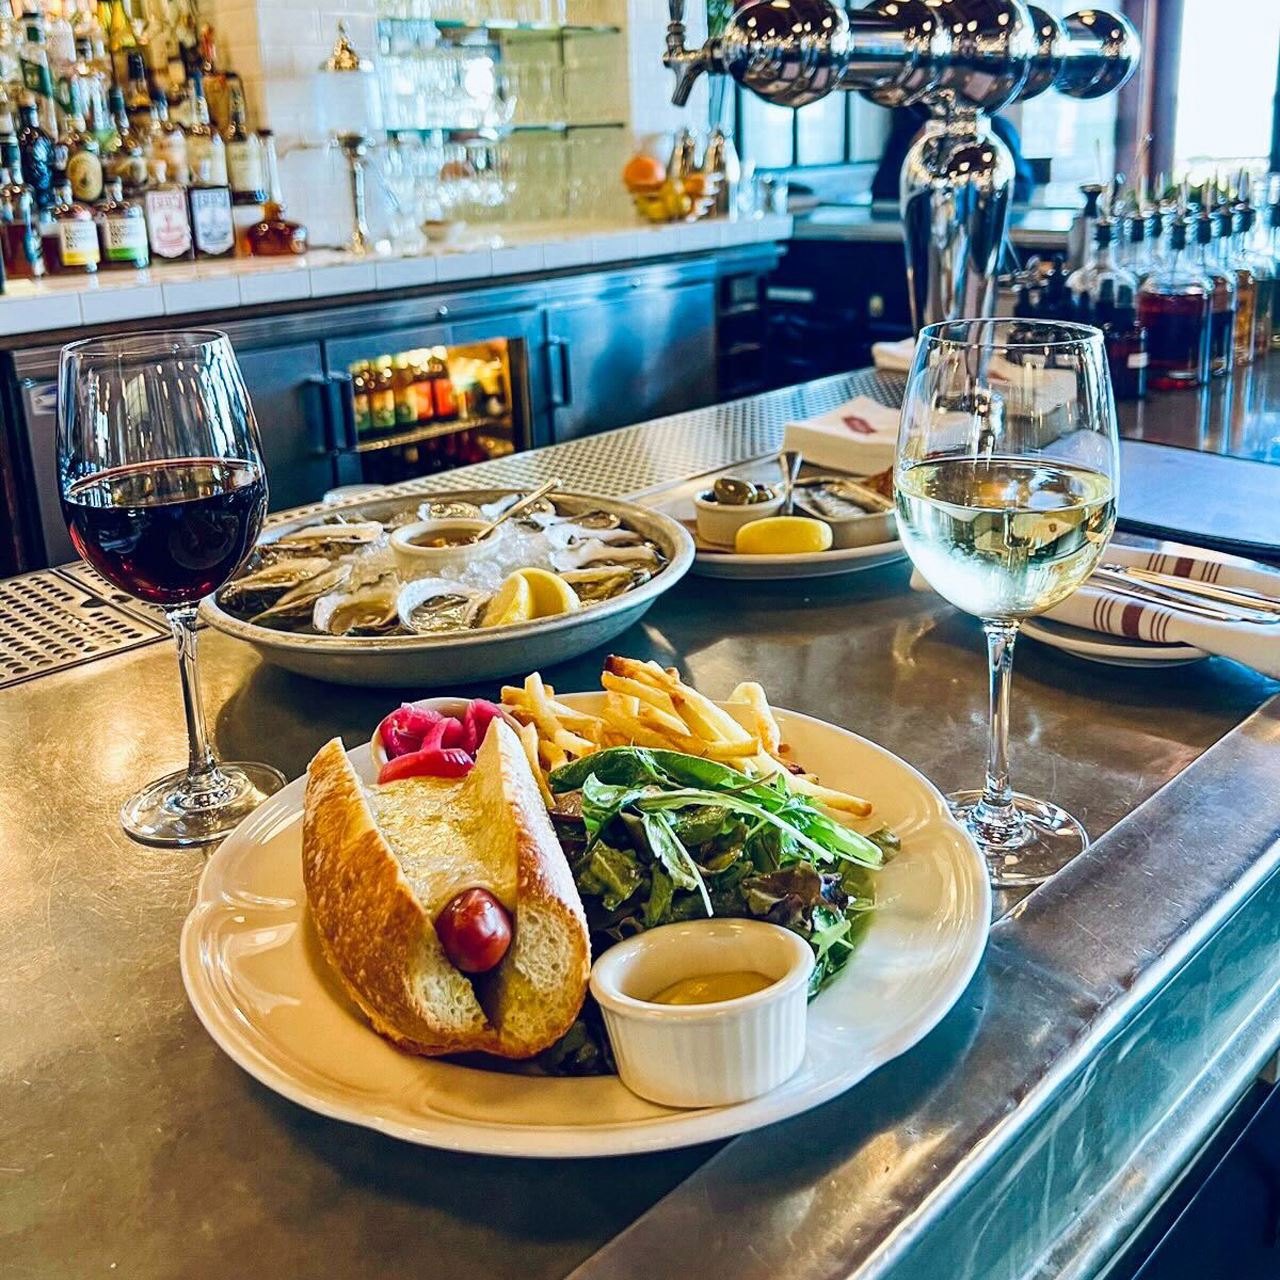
{"type": "Point", "coordinates": [719, 522]}
{"type": "Point", "coordinates": [705, 1055]}
{"type": "Point", "coordinates": [415, 560]}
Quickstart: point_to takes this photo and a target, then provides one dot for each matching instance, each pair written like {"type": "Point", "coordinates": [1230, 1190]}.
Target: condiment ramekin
{"type": "Point", "coordinates": [705, 1055]}
{"type": "Point", "coordinates": [423, 562]}
{"type": "Point", "coordinates": [719, 522]}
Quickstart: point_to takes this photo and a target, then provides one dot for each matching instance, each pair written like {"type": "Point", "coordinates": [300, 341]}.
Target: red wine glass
{"type": "Point", "coordinates": [164, 492]}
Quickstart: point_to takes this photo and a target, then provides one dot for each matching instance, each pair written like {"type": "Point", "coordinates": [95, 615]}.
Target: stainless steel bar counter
{"type": "Point", "coordinates": [1118, 1014]}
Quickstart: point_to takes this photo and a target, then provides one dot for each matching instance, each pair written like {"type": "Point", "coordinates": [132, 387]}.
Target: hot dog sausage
{"type": "Point", "coordinates": [475, 931]}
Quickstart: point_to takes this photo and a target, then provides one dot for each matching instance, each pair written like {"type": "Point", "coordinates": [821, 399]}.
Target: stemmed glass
{"type": "Point", "coordinates": [164, 491]}
{"type": "Point", "coordinates": [1006, 480]}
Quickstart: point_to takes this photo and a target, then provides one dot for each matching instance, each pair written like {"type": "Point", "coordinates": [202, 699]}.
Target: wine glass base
{"type": "Point", "coordinates": [176, 811]}
{"type": "Point", "coordinates": [1036, 842]}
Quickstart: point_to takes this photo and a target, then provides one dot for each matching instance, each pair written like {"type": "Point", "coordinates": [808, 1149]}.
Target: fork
{"type": "Point", "coordinates": [1150, 593]}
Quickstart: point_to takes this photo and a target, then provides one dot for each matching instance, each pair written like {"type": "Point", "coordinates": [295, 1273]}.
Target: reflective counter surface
{"type": "Point", "coordinates": [1117, 1013]}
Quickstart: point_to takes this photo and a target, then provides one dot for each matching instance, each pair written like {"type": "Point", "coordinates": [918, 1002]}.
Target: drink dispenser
{"type": "Point", "coordinates": [959, 58]}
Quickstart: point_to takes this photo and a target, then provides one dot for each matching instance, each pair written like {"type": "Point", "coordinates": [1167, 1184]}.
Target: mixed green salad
{"type": "Point", "coordinates": [655, 837]}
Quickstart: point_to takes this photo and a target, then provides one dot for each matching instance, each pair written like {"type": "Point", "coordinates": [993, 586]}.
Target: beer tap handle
{"type": "Point", "coordinates": [688, 64]}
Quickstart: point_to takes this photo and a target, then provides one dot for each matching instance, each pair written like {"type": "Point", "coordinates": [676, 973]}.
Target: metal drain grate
{"type": "Point", "coordinates": [48, 623]}
{"type": "Point", "coordinates": [89, 579]}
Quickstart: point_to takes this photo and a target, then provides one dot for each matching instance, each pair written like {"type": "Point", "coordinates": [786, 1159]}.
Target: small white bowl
{"type": "Point", "coordinates": [705, 1055]}
{"type": "Point", "coordinates": [719, 522]}
{"type": "Point", "coordinates": [422, 562]}
{"type": "Point", "coordinates": [455, 707]}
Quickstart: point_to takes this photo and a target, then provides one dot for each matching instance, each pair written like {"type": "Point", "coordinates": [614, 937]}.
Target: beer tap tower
{"type": "Point", "coordinates": [960, 59]}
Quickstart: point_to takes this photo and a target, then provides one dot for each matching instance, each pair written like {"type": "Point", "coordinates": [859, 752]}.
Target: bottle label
{"type": "Point", "coordinates": [1138, 360]}
{"type": "Point", "coordinates": [211, 220]}
{"type": "Point", "coordinates": [168, 223]}
{"type": "Point", "coordinates": [36, 77]}
{"type": "Point", "coordinates": [78, 242]}
{"type": "Point", "coordinates": [125, 239]}
{"type": "Point", "coordinates": [84, 172]}
{"type": "Point", "coordinates": [244, 165]}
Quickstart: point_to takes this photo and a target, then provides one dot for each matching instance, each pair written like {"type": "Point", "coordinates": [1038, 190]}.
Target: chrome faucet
{"type": "Point", "coordinates": [958, 58]}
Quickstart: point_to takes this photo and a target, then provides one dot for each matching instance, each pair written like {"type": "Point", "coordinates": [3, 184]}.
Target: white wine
{"type": "Point", "coordinates": [1004, 537]}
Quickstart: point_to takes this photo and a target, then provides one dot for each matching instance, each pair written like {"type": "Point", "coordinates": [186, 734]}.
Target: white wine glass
{"type": "Point", "coordinates": [1006, 479]}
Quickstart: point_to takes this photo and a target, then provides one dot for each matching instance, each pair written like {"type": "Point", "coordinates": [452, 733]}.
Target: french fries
{"type": "Point", "coordinates": [648, 705]}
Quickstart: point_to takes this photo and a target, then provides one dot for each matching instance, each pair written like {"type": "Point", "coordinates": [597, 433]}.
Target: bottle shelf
{"type": "Point", "coordinates": [499, 26]}
{"type": "Point", "coordinates": [460, 133]}
{"type": "Point", "coordinates": [416, 433]}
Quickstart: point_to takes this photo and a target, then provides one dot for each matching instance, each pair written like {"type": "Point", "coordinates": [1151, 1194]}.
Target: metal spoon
{"type": "Point", "coordinates": [517, 507]}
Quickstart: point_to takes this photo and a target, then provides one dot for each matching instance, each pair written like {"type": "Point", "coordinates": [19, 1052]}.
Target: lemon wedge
{"type": "Point", "coordinates": [782, 536]}
{"type": "Point", "coordinates": [551, 593]}
{"type": "Point", "coordinates": [528, 594]}
{"type": "Point", "coordinates": [512, 603]}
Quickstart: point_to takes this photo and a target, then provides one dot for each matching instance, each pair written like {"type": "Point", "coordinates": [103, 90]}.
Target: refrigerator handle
{"type": "Point", "coordinates": [561, 389]}
{"type": "Point", "coordinates": [318, 399]}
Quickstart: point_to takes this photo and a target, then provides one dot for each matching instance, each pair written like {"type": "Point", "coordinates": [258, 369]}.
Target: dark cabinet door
{"type": "Point", "coordinates": [287, 399]}
{"type": "Point", "coordinates": [630, 356]}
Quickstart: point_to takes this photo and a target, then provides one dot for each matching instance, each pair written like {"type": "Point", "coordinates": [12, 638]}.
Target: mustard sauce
{"type": "Point", "coordinates": [712, 988]}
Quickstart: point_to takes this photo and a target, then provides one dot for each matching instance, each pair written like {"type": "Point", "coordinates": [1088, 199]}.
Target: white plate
{"type": "Point", "coordinates": [1114, 651]}
{"type": "Point", "coordinates": [815, 564]}
{"type": "Point", "coordinates": [256, 980]}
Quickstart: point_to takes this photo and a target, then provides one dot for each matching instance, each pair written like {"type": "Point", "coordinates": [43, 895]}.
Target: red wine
{"type": "Point", "coordinates": [168, 532]}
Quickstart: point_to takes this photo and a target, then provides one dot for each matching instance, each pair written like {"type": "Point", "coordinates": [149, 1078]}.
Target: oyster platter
{"type": "Point", "coordinates": [419, 591]}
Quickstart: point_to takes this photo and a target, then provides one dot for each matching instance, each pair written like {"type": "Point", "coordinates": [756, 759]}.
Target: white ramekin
{"type": "Point", "coordinates": [719, 522]}
{"type": "Point", "coordinates": [427, 562]}
{"type": "Point", "coordinates": [705, 1055]}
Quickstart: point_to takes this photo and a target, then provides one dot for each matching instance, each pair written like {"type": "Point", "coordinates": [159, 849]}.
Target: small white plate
{"type": "Point", "coordinates": [256, 979]}
{"type": "Point", "coordinates": [1113, 651]}
{"type": "Point", "coordinates": [815, 564]}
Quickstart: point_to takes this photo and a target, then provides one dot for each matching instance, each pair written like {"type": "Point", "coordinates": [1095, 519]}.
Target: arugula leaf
{"type": "Point", "coordinates": [667, 849]}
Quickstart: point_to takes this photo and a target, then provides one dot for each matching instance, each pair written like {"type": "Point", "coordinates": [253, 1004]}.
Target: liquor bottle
{"type": "Point", "coordinates": [1264, 270]}
{"type": "Point", "coordinates": [78, 155]}
{"type": "Point", "coordinates": [1273, 234]}
{"type": "Point", "coordinates": [22, 248]}
{"type": "Point", "coordinates": [1174, 305]}
{"type": "Point", "coordinates": [137, 98]}
{"type": "Point", "coordinates": [168, 220]}
{"type": "Point", "coordinates": [218, 85]}
{"type": "Point", "coordinates": [1101, 273]}
{"type": "Point", "coordinates": [1222, 319]}
{"type": "Point", "coordinates": [33, 59]}
{"type": "Point", "coordinates": [1126, 341]}
{"type": "Point", "coordinates": [85, 26]}
{"type": "Point", "coordinates": [275, 236]}
{"type": "Point", "coordinates": [169, 142]}
{"type": "Point", "coordinates": [382, 396]}
{"type": "Point", "coordinates": [36, 146]}
{"type": "Point", "coordinates": [1235, 262]}
{"type": "Point", "coordinates": [360, 377]}
{"type": "Point", "coordinates": [1136, 256]}
{"type": "Point", "coordinates": [127, 158]}
{"type": "Point", "coordinates": [423, 399]}
{"type": "Point", "coordinates": [121, 41]}
{"type": "Point", "coordinates": [204, 142]}
{"type": "Point", "coordinates": [446, 403]}
{"type": "Point", "coordinates": [122, 230]}
{"type": "Point", "coordinates": [212, 231]}
{"type": "Point", "coordinates": [246, 164]}
{"type": "Point", "coordinates": [402, 387]}
{"type": "Point", "coordinates": [76, 233]}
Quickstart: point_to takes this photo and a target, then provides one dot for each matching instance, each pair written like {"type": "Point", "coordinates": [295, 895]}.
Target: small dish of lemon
{"type": "Point", "coordinates": [782, 536]}
{"type": "Point", "coordinates": [529, 594]}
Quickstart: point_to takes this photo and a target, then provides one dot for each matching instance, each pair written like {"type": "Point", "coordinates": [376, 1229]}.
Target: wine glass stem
{"type": "Point", "coordinates": [201, 764]}
{"type": "Point", "coordinates": [995, 815]}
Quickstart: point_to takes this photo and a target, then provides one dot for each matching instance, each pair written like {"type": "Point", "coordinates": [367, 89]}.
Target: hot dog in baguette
{"type": "Point", "coordinates": [385, 866]}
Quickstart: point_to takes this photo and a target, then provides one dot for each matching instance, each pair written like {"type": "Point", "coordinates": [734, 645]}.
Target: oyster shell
{"type": "Point", "coordinates": [432, 606]}
{"type": "Point", "coordinates": [596, 551]}
{"type": "Point", "coordinates": [364, 611]}
{"type": "Point", "coordinates": [445, 509]}
{"type": "Point", "coordinates": [596, 520]}
{"type": "Point", "coordinates": [296, 604]}
{"type": "Point", "coordinates": [332, 538]}
{"type": "Point", "coordinates": [271, 579]}
{"type": "Point", "coordinates": [604, 581]}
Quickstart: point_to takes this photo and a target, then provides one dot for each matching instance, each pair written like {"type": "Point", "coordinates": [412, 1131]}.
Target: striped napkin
{"type": "Point", "coordinates": [1095, 608]}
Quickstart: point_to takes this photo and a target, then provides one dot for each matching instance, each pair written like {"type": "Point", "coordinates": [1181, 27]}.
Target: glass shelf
{"type": "Point", "coordinates": [492, 134]}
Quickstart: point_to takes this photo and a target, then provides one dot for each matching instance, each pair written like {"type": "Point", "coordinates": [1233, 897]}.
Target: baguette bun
{"type": "Point", "coordinates": [379, 865]}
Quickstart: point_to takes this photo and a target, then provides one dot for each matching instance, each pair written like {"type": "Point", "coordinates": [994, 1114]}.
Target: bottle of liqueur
{"type": "Point", "coordinates": [275, 236]}
{"type": "Point", "coordinates": [1235, 262]}
{"type": "Point", "coordinates": [1264, 270]}
{"type": "Point", "coordinates": [169, 142]}
{"type": "Point", "coordinates": [446, 403]}
{"type": "Point", "coordinates": [1174, 305]}
{"type": "Point", "coordinates": [212, 231]}
{"type": "Point", "coordinates": [1116, 314]}
{"type": "Point", "coordinates": [137, 97]}
{"type": "Point", "coordinates": [22, 248]}
{"type": "Point", "coordinates": [168, 219]}
{"type": "Point", "coordinates": [1222, 314]}
{"type": "Point", "coordinates": [33, 60]}
{"type": "Point", "coordinates": [36, 147]}
{"type": "Point", "coordinates": [204, 142]}
{"type": "Point", "coordinates": [1100, 274]}
{"type": "Point", "coordinates": [122, 230]}
{"type": "Point", "coordinates": [127, 159]}
{"type": "Point", "coordinates": [76, 234]}
{"type": "Point", "coordinates": [246, 163]}
{"type": "Point", "coordinates": [78, 154]}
